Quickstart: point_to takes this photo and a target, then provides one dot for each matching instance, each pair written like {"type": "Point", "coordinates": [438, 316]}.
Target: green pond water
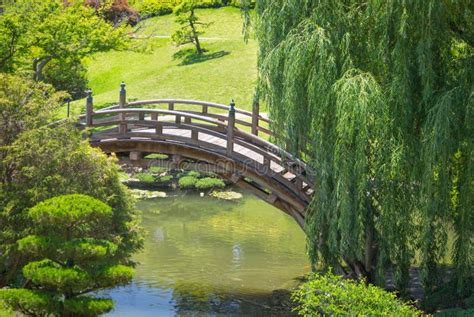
{"type": "Point", "coordinates": [209, 257]}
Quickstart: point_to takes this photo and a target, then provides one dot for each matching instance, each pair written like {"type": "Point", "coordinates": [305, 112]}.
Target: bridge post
{"type": "Point", "coordinates": [230, 128]}
{"type": "Point", "coordinates": [89, 108]}
{"type": "Point", "coordinates": [255, 114]}
{"type": "Point", "coordinates": [122, 105]}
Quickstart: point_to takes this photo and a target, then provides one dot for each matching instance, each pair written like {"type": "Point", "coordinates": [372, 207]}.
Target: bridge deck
{"type": "Point", "coordinates": [273, 174]}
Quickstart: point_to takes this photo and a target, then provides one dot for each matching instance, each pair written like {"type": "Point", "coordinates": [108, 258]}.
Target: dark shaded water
{"type": "Point", "coordinates": [208, 257]}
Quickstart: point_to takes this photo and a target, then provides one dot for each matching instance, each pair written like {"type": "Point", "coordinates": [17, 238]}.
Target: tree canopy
{"type": "Point", "coordinates": [72, 248]}
{"type": "Point", "coordinates": [191, 27]}
{"type": "Point", "coordinates": [378, 97]}
{"type": "Point", "coordinates": [33, 33]}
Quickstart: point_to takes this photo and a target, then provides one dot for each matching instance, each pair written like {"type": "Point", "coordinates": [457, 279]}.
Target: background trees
{"type": "Point", "coordinates": [62, 34]}
{"type": "Point", "coordinates": [378, 97]}
{"type": "Point", "coordinates": [72, 249]}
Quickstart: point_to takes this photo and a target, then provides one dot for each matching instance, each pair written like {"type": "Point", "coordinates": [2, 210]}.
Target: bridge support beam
{"type": "Point", "coordinates": [255, 115]}
{"type": "Point", "coordinates": [262, 185]}
{"type": "Point", "coordinates": [122, 104]}
{"type": "Point", "coordinates": [230, 129]}
{"type": "Point", "coordinates": [89, 108]}
{"type": "Point", "coordinates": [135, 156]}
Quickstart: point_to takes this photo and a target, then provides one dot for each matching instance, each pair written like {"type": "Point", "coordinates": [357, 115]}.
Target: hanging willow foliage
{"type": "Point", "coordinates": [384, 92]}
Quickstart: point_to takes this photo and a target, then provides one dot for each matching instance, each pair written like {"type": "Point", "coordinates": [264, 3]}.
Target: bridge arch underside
{"type": "Point", "coordinates": [263, 184]}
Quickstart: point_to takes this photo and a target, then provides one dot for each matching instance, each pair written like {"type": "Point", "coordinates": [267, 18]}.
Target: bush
{"type": "Point", "coordinates": [150, 8]}
{"type": "Point", "coordinates": [194, 174]}
{"type": "Point", "coordinates": [187, 182]}
{"type": "Point", "coordinates": [70, 76]}
{"type": "Point", "coordinates": [145, 177]}
{"type": "Point", "coordinates": [165, 179]}
{"type": "Point", "coordinates": [209, 182]}
{"type": "Point", "coordinates": [156, 169]}
{"type": "Point", "coordinates": [447, 296]}
{"type": "Point", "coordinates": [329, 294]}
{"type": "Point", "coordinates": [237, 3]}
{"type": "Point", "coordinates": [156, 156]}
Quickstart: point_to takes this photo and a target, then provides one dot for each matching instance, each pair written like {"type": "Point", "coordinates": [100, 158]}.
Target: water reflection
{"type": "Point", "coordinates": [207, 257]}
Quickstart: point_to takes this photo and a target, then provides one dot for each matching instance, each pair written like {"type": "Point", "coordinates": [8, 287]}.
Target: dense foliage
{"type": "Point", "coordinates": [378, 96]}
{"type": "Point", "coordinates": [149, 8]}
{"type": "Point", "coordinates": [187, 182]}
{"type": "Point", "coordinates": [39, 162]}
{"type": "Point", "coordinates": [209, 182]}
{"type": "Point", "coordinates": [331, 295]}
{"type": "Point", "coordinates": [72, 250]}
{"type": "Point", "coordinates": [35, 33]}
{"type": "Point", "coordinates": [24, 105]}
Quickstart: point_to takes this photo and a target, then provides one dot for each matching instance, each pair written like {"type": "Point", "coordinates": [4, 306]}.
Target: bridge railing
{"type": "Point", "coordinates": [240, 127]}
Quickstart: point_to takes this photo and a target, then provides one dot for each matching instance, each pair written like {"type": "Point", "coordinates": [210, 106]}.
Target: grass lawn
{"type": "Point", "coordinates": [159, 69]}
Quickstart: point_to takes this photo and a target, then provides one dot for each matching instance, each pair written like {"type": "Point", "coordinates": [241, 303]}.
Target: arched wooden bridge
{"type": "Point", "coordinates": [204, 136]}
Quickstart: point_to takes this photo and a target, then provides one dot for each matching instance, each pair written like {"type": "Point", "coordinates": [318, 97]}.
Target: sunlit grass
{"type": "Point", "coordinates": [227, 71]}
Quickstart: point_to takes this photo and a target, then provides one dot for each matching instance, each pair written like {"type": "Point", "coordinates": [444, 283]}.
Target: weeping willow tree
{"type": "Point", "coordinates": [378, 97]}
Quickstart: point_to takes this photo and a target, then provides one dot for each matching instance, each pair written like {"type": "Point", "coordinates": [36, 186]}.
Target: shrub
{"type": "Point", "coordinates": [70, 76]}
{"type": "Point", "coordinates": [330, 294]}
{"type": "Point", "coordinates": [145, 177]}
{"type": "Point", "coordinates": [156, 156]}
{"type": "Point", "coordinates": [238, 4]}
{"type": "Point", "coordinates": [156, 169]}
{"type": "Point", "coordinates": [209, 182]}
{"type": "Point", "coordinates": [194, 174]}
{"type": "Point", "coordinates": [165, 179]}
{"type": "Point", "coordinates": [186, 182]}
{"type": "Point", "coordinates": [149, 8]}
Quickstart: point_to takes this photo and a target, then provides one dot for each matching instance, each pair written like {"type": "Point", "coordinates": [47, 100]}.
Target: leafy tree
{"type": "Point", "coordinates": [24, 105]}
{"type": "Point", "coordinates": [115, 11]}
{"type": "Point", "coordinates": [67, 75]}
{"type": "Point", "coordinates": [72, 247]}
{"type": "Point", "coordinates": [38, 32]}
{"type": "Point", "coordinates": [191, 27]}
{"type": "Point", "coordinates": [378, 97]}
{"type": "Point", "coordinates": [49, 162]}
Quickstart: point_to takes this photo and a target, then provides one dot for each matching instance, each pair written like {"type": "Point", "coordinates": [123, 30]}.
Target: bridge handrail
{"type": "Point", "coordinates": [194, 102]}
{"type": "Point", "coordinates": [157, 111]}
{"type": "Point", "coordinates": [247, 137]}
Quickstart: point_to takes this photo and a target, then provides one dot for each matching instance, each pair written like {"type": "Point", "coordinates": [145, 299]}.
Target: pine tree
{"type": "Point", "coordinates": [191, 27]}
{"type": "Point", "coordinates": [73, 248]}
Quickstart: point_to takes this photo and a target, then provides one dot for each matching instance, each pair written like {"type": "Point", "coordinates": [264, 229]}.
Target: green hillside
{"type": "Point", "coordinates": [156, 68]}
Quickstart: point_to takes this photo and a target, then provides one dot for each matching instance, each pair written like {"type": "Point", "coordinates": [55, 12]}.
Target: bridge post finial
{"type": "Point", "coordinates": [230, 128]}
{"type": "Point", "coordinates": [123, 96]}
{"type": "Point", "coordinates": [89, 107]}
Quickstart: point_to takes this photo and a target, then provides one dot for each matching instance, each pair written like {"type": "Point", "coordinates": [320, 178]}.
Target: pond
{"type": "Point", "coordinates": [209, 257]}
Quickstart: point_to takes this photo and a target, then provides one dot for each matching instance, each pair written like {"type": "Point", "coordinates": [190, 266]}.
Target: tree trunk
{"type": "Point", "coordinates": [195, 34]}
{"type": "Point", "coordinates": [38, 66]}
{"type": "Point", "coordinates": [371, 247]}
